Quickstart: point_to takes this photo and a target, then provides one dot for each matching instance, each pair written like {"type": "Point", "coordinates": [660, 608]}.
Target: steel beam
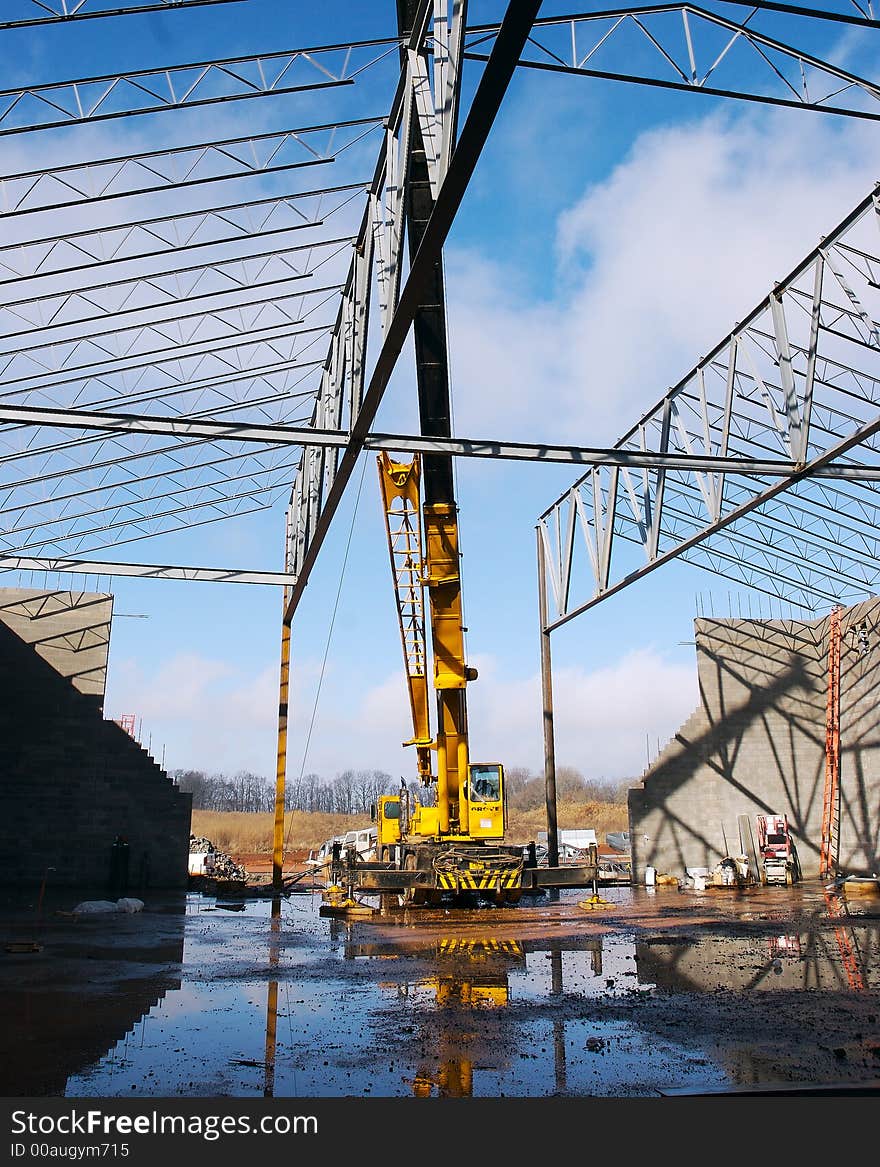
{"type": "Point", "coordinates": [32, 259]}
{"type": "Point", "coordinates": [242, 272]}
{"type": "Point", "coordinates": [103, 369]}
{"type": "Point", "coordinates": [343, 412]}
{"type": "Point", "coordinates": [146, 570]}
{"type": "Point", "coordinates": [227, 316]}
{"type": "Point", "coordinates": [497, 75]}
{"type": "Point", "coordinates": [800, 378]}
{"type": "Point", "coordinates": [312, 436]}
{"type": "Point", "coordinates": [113, 96]}
{"type": "Point", "coordinates": [197, 164]}
{"type": "Point", "coordinates": [731, 517]}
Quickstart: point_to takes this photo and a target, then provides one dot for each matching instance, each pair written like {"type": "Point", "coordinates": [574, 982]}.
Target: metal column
{"type": "Point", "coordinates": [547, 692]}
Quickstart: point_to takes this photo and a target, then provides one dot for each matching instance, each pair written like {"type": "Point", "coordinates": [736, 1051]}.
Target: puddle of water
{"type": "Point", "coordinates": [540, 1000]}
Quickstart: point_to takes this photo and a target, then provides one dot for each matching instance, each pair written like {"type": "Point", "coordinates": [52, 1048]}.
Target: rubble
{"type": "Point", "coordinates": [221, 865]}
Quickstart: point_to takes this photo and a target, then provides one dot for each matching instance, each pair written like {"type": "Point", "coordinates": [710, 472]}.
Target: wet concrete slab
{"type": "Point", "coordinates": [654, 990]}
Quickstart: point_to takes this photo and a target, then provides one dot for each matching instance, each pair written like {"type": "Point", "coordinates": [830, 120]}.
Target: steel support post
{"type": "Point", "coordinates": [271, 1027]}
{"type": "Point", "coordinates": [281, 765]}
{"type": "Point", "coordinates": [547, 692]}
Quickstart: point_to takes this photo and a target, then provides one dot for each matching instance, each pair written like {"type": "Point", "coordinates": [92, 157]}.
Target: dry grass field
{"type": "Point", "coordinates": [601, 816]}
{"type": "Point", "coordinates": [237, 833]}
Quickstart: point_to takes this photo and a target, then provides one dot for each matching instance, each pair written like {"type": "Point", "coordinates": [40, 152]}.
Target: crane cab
{"type": "Point", "coordinates": [388, 819]}
{"type": "Point", "coordinates": [485, 798]}
{"type": "Point", "coordinates": [484, 794]}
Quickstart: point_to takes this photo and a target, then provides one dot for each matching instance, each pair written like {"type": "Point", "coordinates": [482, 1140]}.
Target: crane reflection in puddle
{"type": "Point", "coordinates": [470, 975]}
{"type": "Point", "coordinates": [460, 1004]}
{"type": "Point", "coordinates": [463, 977]}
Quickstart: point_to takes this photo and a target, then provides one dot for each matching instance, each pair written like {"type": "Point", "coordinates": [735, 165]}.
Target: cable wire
{"type": "Point", "coordinates": [330, 630]}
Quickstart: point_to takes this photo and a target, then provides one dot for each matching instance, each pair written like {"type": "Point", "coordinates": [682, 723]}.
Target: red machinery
{"type": "Point", "coordinates": [775, 849]}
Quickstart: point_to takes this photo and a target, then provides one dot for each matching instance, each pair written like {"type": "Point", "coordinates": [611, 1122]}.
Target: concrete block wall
{"type": "Point", "coordinates": [70, 782]}
{"type": "Point", "coordinates": [70, 630]}
{"type": "Point", "coordinates": [756, 744]}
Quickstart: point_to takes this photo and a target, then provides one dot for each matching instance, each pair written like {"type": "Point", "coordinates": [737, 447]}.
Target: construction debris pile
{"type": "Point", "coordinates": [216, 864]}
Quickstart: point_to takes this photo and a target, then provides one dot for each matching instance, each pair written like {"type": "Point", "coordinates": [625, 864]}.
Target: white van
{"type": "Point", "coordinates": [322, 856]}
{"type": "Point", "coordinates": [363, 841]}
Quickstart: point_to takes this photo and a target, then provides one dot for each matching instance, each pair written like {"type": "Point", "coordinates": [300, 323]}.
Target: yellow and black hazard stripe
{"type": "Point", "coordinates": [476, 881]}
{"type": "Point", "coordinates": [450, 946]}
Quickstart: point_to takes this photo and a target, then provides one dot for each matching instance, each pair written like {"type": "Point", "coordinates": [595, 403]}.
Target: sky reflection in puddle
{"type": "Point", "coordinates": [487, 1004]}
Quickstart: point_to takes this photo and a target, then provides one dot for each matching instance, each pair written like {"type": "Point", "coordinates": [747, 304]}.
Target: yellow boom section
{"type": "Point", "coordinates": [400, 497]}
{"type": "Point", "coordinates": [450, 672]}
{"type": "Point", "coordinates": [434, 565]}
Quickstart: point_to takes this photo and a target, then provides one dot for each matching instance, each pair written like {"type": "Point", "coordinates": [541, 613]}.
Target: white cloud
{"type": "Point", "coordinates": [211, 715]}
{"type": "Point", "coordinates": [204, 714]}
{"type": "Point", "coordinates": [358, 728]}
{"type": "Point", "coordinates": [652, 266]}
{"type": "Point", "coordinates": [601, 717]}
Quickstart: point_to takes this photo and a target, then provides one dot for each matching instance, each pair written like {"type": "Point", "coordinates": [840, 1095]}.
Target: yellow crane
{"type": "Point", "coordinates": [451, 836]}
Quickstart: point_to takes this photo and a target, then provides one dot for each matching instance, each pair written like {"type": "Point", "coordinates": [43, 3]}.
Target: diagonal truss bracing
{"type": "Point", "coordinates": [798, 379]}
{"type": "Point", "coordinates": [200, 83]}
{"type": "Point", "coordinates": [73, 307]}
{"type": "Point", "coordinates": [28, 13]}
{"type": "Point", "coordinates": [688, 47]}
{"type": "Point", "coordinates": [124, 176]}
{"type": "Point", "coordinates": [101, 247]}
{"type": "Point", "coordinates": [201, 308]}
{"type": "Point", "coordinates": [432, 98]}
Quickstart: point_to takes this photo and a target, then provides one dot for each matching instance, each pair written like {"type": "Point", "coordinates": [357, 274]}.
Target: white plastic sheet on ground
{"type": "Point", "coordinates": [103, 907]}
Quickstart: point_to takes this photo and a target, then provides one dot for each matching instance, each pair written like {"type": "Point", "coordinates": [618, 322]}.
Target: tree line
{"type": "Point", "coordinates": [351, 792]}
{"type": "Point", "coordinates": [355, 791]}
{"type": "Point", "coordinates": [526, 790]}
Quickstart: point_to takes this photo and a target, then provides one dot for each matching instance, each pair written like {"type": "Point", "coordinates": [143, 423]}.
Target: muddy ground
{"type": "Point", "coordinates": [652, 993]}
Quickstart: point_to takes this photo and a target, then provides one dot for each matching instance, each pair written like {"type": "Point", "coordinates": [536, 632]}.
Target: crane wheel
{"type": "Point", "coordinates": [413, 897]}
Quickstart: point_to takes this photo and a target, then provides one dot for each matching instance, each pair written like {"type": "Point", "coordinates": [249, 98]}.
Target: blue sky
{"type": "Point", "coordinates": [610, 235]}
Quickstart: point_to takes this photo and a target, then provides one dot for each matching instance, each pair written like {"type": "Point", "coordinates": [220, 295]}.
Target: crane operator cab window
{"type": "Point", "coordinates": [485, 783]}
{"type": "Point", "coordinates": [485, 795]}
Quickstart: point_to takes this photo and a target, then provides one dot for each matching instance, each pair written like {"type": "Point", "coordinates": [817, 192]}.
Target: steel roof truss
{"type": "Point", "coordinates": [181, 330]}
{"type": "Point", "coordinates": [105, 179]}
{"type": "Point", "coordinates": [58, 11]}
{"type": "Point", "coordinates": [239, 273]}
{"type": "Point", "coordinates": [87, 567]}
{"type": "Point", "coordinates": [103, 247]}
{"type": "Point", "coordinates": [676, 46]}
{"type": "Point", "coordinates": [200, 84]}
